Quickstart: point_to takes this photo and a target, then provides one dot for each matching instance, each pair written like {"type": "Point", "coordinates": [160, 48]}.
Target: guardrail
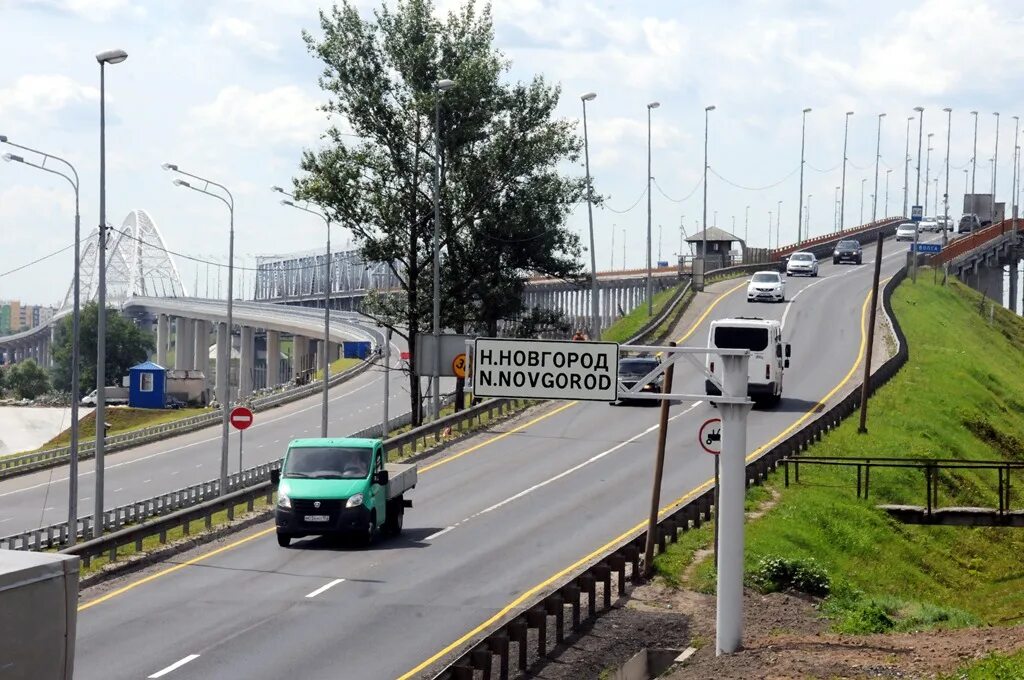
{"type": "Point", "coordinates": [30, 462]}
{"type": "Point", "coordinates": [57, 535]}
{"type": "Point", "coordinates": [974, 240]}
{"type": "Point", "coordinates": [823, 242]}
{"type": "Point", "coordinates": [548, 609]}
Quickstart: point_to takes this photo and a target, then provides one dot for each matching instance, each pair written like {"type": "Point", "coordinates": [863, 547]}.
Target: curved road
{"type": "Point", "coordinates": [494, 520]}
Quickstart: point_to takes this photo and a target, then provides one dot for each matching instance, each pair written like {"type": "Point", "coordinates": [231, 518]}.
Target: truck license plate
{"type": "Point", "coordinates": [317, 518]}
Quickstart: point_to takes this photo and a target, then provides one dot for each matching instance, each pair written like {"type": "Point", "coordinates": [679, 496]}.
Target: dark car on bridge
{"type": "Point", "coordinates": [968, 223]}
{"type": "Point", "coordinates": [847, 251]}
{"type": "Point", "coordinates": [631, 370]}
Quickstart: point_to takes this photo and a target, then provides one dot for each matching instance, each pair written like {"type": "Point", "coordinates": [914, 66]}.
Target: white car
{"type": "Point", "coordinates": [802, 263]}
{"type": "Point", "coordinates": [906, 231]}
{"type": "Point", "coordinates": [930, 224]}
{"type": "Point", "coordinates": [766, 286]}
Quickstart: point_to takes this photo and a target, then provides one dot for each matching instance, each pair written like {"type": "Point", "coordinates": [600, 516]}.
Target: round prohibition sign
{"type": "Point", "coordinates": [459, 366]}
{"type": "Point", "coordinates": [240, 417]}
{"type": "Point", "coordinates": [710, 436]}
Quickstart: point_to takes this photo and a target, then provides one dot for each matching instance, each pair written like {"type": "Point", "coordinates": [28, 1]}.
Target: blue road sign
{"type": "Point", "coordinates": [916, 213]}
{"type": "Point", "coordinates": [929, 247]}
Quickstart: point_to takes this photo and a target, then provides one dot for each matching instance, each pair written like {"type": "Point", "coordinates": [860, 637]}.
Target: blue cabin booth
{"type": "Point", "coordinates": [147, 386]}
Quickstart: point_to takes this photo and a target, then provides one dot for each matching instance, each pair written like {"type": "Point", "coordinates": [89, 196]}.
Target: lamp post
{"type": "Point", "coordinates": [595, 324]}
{"type": "Point", "coordinates": [974, 153]}
{"type": "Point", "coordinates": [917, 193]}
{"type": "Point", "coordinates": [995, 168]}
{"type": "Point", "coordinates": [842, 196]}
{"type": "Point", "coordinates": [103, 58]}
{"type": "Point", "coordinates": [704, 235]}
{"type": "Point", "coordinates": [325, 363]}
{"type": "Point", "coordinates": [223, 358]}
{"type": "Point", "coordinates": [863, 181]}
{"type": "Point", "coordinates": [906, 171]}
{"type": "Point", "coordinates": [887, 173]}
{"type": "Point", "coordinates": [803, 131]}
{"type": "Point", "coordinates": [75, 316]}
{"type": "Point", "coordinates": [1013, 183]}
{"type": "Point", "coordinates": [927, 169]}
{"type": "Point", "coordinates": [878, 158]}
{"type": "Point", "coordinates": [440, 87]}
{"type": "Point", "coordinates": [650, 300]}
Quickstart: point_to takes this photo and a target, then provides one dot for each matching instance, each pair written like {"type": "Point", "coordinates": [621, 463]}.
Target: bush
{"type": "Point", "coordinates": [774, 574]}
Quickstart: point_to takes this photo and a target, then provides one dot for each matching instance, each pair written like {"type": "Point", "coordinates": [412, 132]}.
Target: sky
{"type": "Point", "coordinates": [226, 89]}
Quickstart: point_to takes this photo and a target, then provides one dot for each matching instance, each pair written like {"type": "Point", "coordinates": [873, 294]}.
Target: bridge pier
{"type": "Point", "coordinates": [184, 344]}
{"type": "Point", "coordinates": [223, 387]}
{"type": "Point", "coordinates": [202, 349]}
{"type": "Point", "coordinates": [161, 339]}
{"type": "Point", "coordinates": [246, 364]}
{"type": "Point", "coordinates": [300, 348]}
{"type": "Point", "coordinates": [273, 358]}
{"type": "Point", "coordinates": [1014, 292]}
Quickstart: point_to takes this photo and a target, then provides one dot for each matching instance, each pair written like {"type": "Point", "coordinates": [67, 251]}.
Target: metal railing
{"type": "Point", "coordinates": [578, 590]}
{"type": "Point", "coordinates": [974, 240]}
{"type": "Point", "coordinates": [865, 232]}
{"type": "Point", "coordinates": [30, 462]}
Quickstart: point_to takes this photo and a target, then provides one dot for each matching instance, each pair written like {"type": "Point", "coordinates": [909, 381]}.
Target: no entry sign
{"type": "Point", "coordinates": [240, 417]}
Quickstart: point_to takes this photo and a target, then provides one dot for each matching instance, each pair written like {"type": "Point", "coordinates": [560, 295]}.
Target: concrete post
{"type": "Point", "coordinates": [273, 358]}
{"type": "Point", "coordinates": [161, 339]}
{"type": "Point", "coordinates": [732, 492]}
{"type": "Point", "coordinates": [246, 364]}
{"type": "Point", "coordinates": [202, 349]}
{"type": "Point", "coordinates": [223, 364]}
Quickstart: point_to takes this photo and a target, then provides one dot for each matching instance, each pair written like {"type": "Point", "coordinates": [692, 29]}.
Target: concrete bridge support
{"type": "Point", "coordinates": [1014, 292]}
{"type": "Point", "coordinates": [202, 349]}
{"type": "Point", "coordinates": [184, 344]}
{"type": "Point", "coordinates": [162, 339]}
{"type": "Point", "coordinates": [273, 358]}
{"type": "Point", "coordinates": [300, 349]}
{"type": "Point", "coordinates": [246, 362]}
{"type": "Point", "coordinates": [223, 364]}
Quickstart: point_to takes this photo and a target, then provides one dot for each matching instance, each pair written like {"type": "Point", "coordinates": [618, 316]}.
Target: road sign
{"type": "Point", "coordinates": [545, 369]}
{"type": "Point", "coordinates": [404, 356]}
{"type": "Point", "coordinates": [240, 417]}
{"type": "Point", "coordinates": [710, 436]}
{"type": "Point", "coordinates": [459, 366]}
{"type": "Point", "coordinates": [916, 213]}
{"type": "Point", "coordinates": [929, 247]}
{"type": "Point", "coordinates": [451, 347]}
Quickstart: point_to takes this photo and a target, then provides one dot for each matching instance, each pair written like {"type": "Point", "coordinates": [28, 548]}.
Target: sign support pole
{"type": "Point", "coordinates": [718, 501]}
{"type": "Point", "coordinates": [729, 617]}
{"type": "Point", "coordinates": [387, 381]}
{"type": "Point", "coordinates": [659, 468]}
{"type": "Point", "coordinates": [241, 434]}
{"type": "Point", "coordinates": [863, 427]}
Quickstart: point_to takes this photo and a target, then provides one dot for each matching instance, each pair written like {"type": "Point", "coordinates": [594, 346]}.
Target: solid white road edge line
{"type": "Point", "coordinates": [326, 587]}
{"type": "Point", "coordinates": [441, 532]}
{"type": "Point", "coordinates": [174, 666]}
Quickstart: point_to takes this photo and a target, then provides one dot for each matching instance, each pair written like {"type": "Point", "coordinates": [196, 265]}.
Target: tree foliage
{"type": "Point", "coordinates": [126, 345]}
{"type": "Point", "coordinates": [27, 380]}
{"type": "Point", "coordinates": [504, 200]}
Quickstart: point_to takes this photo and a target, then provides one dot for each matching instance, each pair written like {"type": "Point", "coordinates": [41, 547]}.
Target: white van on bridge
{"type": "Point", "coordinates": [769, 356]}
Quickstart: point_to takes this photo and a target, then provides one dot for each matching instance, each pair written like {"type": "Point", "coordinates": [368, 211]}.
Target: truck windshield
{"type": "Point", "coordinates": [732, 337]}
{"type": "Point", "coordinates": [314, 462]}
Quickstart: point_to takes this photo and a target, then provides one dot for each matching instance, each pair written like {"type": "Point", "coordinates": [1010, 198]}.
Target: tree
{"type": "Point", "coordinates": [504, 202]}
{"type": "Point", "coordinates": [127, 345]}
{"type": "Point", "coordinates": [27, 379]}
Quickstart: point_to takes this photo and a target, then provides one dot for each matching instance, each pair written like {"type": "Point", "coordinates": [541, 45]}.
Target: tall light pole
{"type": "Point", "coordinates": [72, 179]}
{"type": "Point", "coordinates": [803, 132]}
{"type": "Point", "coordinates": [1016, 176]}
{"type": "Point", "coordinates": [704, 235]}
{"type": "Point", "coordinates": [906, 171]}
{"type": "Point", "coordinates": [927, 169]}
{"type": "Point", "coordinates": [325, 364]}
{"type": "Point", "coordinates": [995, 168]}
{"type": "Point", "coordinates": [842, 196]}
{"type": "Point", "coordinates": [440, 87]}
{"type": "Point", "coordinates": [223, 357]}
{"type": "Point", "coordinates": [595, 323]}
{"type": "Point", "coordinates": [863, 181]}
{"type": "Point", "coordinates": [966, 186]}
{"type": "Point", "coordinates": [917, 194]}
{"type": "Point", "coordinates": [887, 173]}
{"type": "Point", "coordinates": [878, 158]}
{"type": "Point", "coordinates": [650, 299]}
{"type": "Point", "coordinates": [103, 58]}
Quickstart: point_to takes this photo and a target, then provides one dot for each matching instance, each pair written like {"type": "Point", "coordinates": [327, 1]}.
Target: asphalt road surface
{"type": "Point", "coordinates": [494, 520]}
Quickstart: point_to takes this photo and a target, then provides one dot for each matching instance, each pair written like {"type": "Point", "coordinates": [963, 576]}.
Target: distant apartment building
{"type": "Point", "coordinates": [16, 317]}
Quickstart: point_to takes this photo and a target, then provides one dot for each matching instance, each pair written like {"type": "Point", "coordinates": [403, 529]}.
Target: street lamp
{"type": "Point", "coordinates": [887, 173]}
{"type": "Point", "coordinates": [223, 356]}
{"type": "Point", "coordinates": [927, 169]}
{"type": "Point", "coordinates": [704, 235]}
{"type": "Point", "coordinates": [325, 364]}
{"type": "Point", "coordinates": [803, 130]}
{"type": "Point", "coordinates": [863, 181]}
{"type": "Point", "coordinates": [103, 58]}
{"type": "Point", "coordinates": [878, 158]}
{"type": "Point", "coordinates": [595, 324]}
{"type": "Point", "coordinates": [906, 170]}
{"type": "Point", "coordinates": [842, 199]}
{"type": "Point", "coordinates": [995, 168]}
{"type": "Point", "coordinates": [440, 87]}
{"type": "Point", "coordinates": [1016, 175]}
{"type": "Point", "coordinates": [974, 154]}
{"type": "Point", "coordinates": [650, 299]}
{"type": "Point", "coordinates": [75, 315]}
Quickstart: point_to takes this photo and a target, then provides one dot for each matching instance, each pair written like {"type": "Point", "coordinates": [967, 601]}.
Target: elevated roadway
{"type": "Point", "coordinates": [493, 519]}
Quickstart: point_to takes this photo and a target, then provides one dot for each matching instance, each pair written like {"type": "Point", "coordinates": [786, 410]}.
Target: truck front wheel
{"type": "Point", "coordinates": [371, 528]}
{"type": "Point", "coordinates": [396, 517]}
{"type": "Point", "coordinates": [283, 540]}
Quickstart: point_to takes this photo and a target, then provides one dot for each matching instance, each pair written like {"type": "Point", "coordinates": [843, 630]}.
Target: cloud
{"type": "Point", "coordinates": [242, 33]}
{"type": "Point", "coordinates": [284, 115]}
{"type": "Point", "coordinates": [93, 10]}
{"type": "Point", "coordinates": [38, 95]}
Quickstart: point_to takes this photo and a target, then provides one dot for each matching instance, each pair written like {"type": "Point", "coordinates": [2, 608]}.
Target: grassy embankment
{"type": "Point", "coordinates": [960, 396]}
{"type": "Point", "coordinates": [628, 325]}
{"type": "Point", "coordinates": [122, 420]}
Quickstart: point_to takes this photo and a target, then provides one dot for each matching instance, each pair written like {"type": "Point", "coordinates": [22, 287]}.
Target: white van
{"type": "Point", "coordinates": [769, 356]}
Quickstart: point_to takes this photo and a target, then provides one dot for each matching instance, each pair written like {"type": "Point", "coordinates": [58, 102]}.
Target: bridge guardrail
{"type": "Point", "coordinates": [976, 239]}
{"type": "Point", "coordinates": [823, 243]}
{"type": "Point", "coordinates": [546, 608]}
{"type": "Point", "coordinates": [30, 462]}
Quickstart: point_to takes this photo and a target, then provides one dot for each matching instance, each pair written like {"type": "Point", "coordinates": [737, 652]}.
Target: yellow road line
{"type": "Point", "coordinates": [707, 311]}
{"type": "Point", "coordinates": [668, 508]}
{"type": "Point", "coordinates": [170, 570]}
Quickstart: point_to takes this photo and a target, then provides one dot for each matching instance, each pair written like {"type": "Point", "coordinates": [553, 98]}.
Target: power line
{"type": "Point", "coordinates": [832, 169]}
{"type": "Point", "coordinates": [635, 203]}
{"type": "Point", "coordinates": [41, 259]}
{"type": "Point", "coordinates": [740, 186]}
{"type": "Point", "coordinates": [661, 191]}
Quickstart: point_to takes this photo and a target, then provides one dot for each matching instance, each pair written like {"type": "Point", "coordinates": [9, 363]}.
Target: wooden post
{"type": "Point", "coordinates": [659, 468]}
{"type": "Point", "coordinates": [863, 428]}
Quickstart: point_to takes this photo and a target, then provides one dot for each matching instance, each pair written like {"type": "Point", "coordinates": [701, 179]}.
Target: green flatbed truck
{"type": "Point", "coordinates": [340, 486]}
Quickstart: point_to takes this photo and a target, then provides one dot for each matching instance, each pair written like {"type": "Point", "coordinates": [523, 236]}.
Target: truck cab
{"type": "Point", "coordinates": [336, 486]}
{"type": "Point", "coordinates": [769, 356]}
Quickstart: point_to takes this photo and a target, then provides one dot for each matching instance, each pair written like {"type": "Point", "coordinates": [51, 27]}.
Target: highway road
{"type": "Point", "coordinates": [493, 521]}
{"type": "Point", "coordinates": [41, 498]}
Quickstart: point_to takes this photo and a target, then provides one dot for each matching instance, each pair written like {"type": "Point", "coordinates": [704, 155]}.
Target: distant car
{"type": "Point", "coordinates": [968, 223]}
{"type": "Point", "coordinates": [847, 251]}
{"type": "Point", "coordinates": [632, 369]}
{"type": "Point", "coordinates": [906, 231]}
{"type": "Point", "coordinates": [802, 263]}
{"type": "Point", "coordinates": [766, 286]}
{"type": "Point", "coordinates": [945, 222]}
{"type": "Point", "coordinates": [930, 224]}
